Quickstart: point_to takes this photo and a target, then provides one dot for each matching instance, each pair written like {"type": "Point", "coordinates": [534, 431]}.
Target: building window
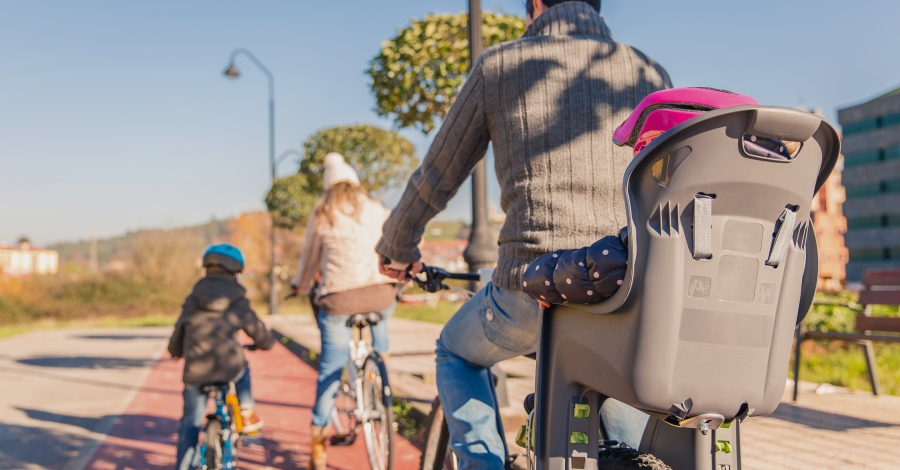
{"type": "Point", "coordinates": [865, 190]}
{"type": "Point", "coordinates": [869, 254]}
{"type": "Point", "coordinates": [861, 126]}
{"type": "Point", "coordinates": [871, 124]}
{"type": "Point", "coordinates": [862, 223]}
{"type": "Point", "coordinates": [862, 158]}
{"type": "Point", "coordinates": [891, 153]}
{"type": "Point", "coordinates": [890, 120]}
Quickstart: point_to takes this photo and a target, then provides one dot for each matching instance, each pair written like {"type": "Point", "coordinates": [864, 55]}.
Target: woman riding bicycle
{"type": "Point", "coordinates": [340, 238]}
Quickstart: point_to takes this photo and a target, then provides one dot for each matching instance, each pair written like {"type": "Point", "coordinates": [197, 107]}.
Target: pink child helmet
{"type": "Point", "coordinates": [663, 110]}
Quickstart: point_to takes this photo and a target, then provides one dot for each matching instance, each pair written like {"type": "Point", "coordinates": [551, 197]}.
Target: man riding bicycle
{"type": "Point", "coordinates": [548, 103]}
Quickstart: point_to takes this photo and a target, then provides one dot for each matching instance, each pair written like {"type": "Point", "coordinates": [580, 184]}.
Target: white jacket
{"type": "Point", "coordinates": [344, 253]}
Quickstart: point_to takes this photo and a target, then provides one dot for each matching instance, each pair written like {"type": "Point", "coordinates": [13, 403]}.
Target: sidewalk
{"type": "Point", "coordinates": [108, 399]}
{"type": "Point", "coordinates": [840, 429]}
{"type": "Point", "coordinates": [284, 388]}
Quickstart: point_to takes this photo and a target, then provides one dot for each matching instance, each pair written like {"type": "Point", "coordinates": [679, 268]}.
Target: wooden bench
{"type": "Point", "coordinates": [881, 287]}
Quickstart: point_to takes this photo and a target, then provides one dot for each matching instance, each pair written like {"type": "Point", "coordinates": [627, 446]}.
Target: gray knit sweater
{"type": "Point", "coordinates": [548, 103]}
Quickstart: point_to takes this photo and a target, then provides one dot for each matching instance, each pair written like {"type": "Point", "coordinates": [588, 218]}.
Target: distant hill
{"type": "Point", "coordinates": [121, 247]}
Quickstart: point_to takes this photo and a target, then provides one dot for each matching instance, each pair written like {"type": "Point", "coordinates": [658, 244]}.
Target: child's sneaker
{"type": "Point", "coordinates": [252, 422]}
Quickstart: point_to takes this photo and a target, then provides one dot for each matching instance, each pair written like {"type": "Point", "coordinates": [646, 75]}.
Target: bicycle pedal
{"type": "Point", "coordinates": [342, 441]}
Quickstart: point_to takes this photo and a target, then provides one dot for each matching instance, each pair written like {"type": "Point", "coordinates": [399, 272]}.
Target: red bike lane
{"type": "Point", "coordinates": [284, 388]}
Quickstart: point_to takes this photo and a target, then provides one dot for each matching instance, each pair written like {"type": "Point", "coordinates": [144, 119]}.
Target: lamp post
{"type": "Point", "coordinates": [232, 72]}
{"type": "Point", "coordinates": [286, 154]}
{"type": "Point", "coordinates": [480, 252]}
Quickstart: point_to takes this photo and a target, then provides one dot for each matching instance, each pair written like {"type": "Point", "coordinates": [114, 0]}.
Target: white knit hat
{"type": "Point", "coordinates": [337, 170]}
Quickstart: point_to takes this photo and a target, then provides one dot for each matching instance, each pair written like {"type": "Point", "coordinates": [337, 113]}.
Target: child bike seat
{"type": "Point", "coordinates": [722, 263]}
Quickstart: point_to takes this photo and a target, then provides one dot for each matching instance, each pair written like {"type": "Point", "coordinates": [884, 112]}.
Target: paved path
{"type": "Point", "coordinates": [101, 399]}
{"type": "Point", "coordinates": [837, 430]}
{"type": "Point", "coordinates": [63, 389]}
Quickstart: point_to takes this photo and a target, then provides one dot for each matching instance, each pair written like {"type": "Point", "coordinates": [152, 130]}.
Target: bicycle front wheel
{"type": "Point", "coordinates": [213, 435]}
{"type": "Point", "coordinates": [435, 454]}
{"type": "Point", "coordinates": [376, 404]}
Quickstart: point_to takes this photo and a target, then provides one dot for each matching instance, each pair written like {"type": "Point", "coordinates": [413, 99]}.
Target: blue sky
{"type": "Point", "coordinates": [114, 115]}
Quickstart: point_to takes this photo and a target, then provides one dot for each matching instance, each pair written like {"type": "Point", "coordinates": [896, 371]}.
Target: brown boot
{"type": "Point", "coordinates": [252, 422]}
{"type": "Point", "coordinates": [318, 448]}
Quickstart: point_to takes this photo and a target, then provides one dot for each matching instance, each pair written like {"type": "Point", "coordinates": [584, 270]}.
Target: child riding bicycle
{"type": "Point", "coordinates": [205, 337]}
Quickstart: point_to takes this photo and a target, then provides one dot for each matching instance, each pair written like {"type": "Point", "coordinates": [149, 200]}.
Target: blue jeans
{"type": "Point", "coordinates": [494, 325]}
{"type": "Point", "coordinates": [195, 410]}
{"type": "Point", "coordinates": [336, 337]}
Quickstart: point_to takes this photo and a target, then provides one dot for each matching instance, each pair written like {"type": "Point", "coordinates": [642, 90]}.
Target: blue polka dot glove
{"type": "Point", "coordinates": [586, 276]}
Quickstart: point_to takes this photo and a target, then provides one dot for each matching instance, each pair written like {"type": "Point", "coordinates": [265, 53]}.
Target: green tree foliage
{"type": "Point", "coordinates": [290, 201]}
{"type": "Point", "coordinates": [384, 160]}
{"type": "Point", "coordinates": [417, 73]}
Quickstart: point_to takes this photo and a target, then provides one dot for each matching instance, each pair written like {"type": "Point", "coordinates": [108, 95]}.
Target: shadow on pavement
{"type": "Point", "coordinates": [823, 419]}
{"type": "Point", "coordinates": [38, 447]}
{"type": "Point", "coordinates": [122, 337]}
{"type": "Point", "coordinates": [86, 362]}
{"type": "Point", "coordinates": [141, 441]}
{"type": "Point", "coordinates": [87, 423]}
{"type": "Point", "coordinates": [99, 383]}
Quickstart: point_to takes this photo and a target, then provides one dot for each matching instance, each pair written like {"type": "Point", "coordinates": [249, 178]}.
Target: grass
{"type": "Point", "coordinates": [841, 363]}
{"type": "Point", "coordinates": [440, 313]}
{"type": "Point", "coordinates": [99, 322]}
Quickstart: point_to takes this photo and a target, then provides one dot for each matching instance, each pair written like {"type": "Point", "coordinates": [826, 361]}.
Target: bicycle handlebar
{"type": "Point", "coordinates": [434, 278]}
{"type": "Point", "coordinates": [475, 277]}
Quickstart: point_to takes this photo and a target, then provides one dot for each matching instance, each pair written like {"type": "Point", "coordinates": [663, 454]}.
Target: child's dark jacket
{"type": "Point", "coordinates": [205, 333]}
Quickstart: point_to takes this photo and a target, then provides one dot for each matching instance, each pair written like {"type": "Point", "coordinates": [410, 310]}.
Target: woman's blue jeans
{"type": "Point", "coordinates": [336, 337]}
{"type": "Point", "coordinates": [195, 410]}
{"type": "Point", "coordinates": [494, 325]}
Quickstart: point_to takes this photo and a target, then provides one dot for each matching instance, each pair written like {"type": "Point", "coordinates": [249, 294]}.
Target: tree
{"type": "Point", "coordinates": [417, 73]}
{"type": "Point", "coordinates": [384, 160]}
{"type": "Point", "coordinates": [290, 201]}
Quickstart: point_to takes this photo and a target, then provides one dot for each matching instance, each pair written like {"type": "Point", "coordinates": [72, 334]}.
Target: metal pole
{"type": "Point", "coordinates": [481, 252]}
{"type": "Point", "coordinates": [273, 296]}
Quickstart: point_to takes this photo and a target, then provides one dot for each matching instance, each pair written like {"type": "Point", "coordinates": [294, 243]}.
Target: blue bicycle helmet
{"type": "Point", "coordinates": [225, 255]}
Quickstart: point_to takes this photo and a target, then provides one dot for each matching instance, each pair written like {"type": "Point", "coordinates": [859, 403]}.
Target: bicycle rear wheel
{"type": "Point", "coordinates": [436, 454]}
{"type": "Point", "coordinates": [629, 459]}
{"type": "Point", "coordinates": [213, 436]}
{"type": "Point", "coordinates": [378, 414]}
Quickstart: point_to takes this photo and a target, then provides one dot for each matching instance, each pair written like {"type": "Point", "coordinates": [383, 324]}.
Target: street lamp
{"type": "Point", "coordinates": [480, 252]}
{"type": "Point", "coordinates": [286, 154]}
{"type": "Point", "coordinates": [232, 72]}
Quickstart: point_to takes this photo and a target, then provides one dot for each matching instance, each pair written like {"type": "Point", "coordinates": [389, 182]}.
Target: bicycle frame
{"type": "Point", "coordinates": [228, 437]}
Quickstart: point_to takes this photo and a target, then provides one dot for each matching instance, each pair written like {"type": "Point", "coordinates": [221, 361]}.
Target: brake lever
{"type": "Point", "coordinates": [433, 281]}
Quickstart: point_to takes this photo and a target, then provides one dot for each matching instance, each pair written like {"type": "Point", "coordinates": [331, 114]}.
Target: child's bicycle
{"type": "Point", "coordinates": [364, 399]}
{"type": "Point", "coordinates": [219, 439]}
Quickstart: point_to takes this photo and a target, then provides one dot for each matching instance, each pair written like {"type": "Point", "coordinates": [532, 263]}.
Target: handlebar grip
{"type": "Point", "coordinates": [464, 276]}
